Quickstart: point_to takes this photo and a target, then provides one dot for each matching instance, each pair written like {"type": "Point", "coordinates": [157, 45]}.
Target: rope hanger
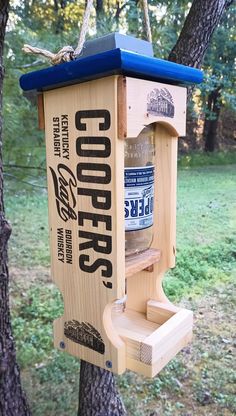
{"type": "Point", "coordinates": [67, 53]}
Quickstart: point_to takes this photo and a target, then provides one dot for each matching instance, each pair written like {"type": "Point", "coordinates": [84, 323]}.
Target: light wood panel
{"type": "Point", "coordinates": [153, 102]}
{"type": "Point", "coordinates": [165, 198]}
{"type": "Point", "coordinates": [85, 163]}
{"type": "Point", "coordinates": [160, 312]}
{"type": "Point", "coordinates": [122, 107]}
{"type": "Point", "coordinates": [138, 262]}
{"type": "Point", "coordinates": [148, 285]}
{"type": "Point", "coordinates": [41, 120]}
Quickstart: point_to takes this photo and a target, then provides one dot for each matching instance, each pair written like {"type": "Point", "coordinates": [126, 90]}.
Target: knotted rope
{"type": "Point", "coordinates": [67, 53]}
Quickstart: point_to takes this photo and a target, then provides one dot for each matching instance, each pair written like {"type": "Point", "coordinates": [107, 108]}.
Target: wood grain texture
{"type": "Point", "coordinates": [148, 285]}
{"type": "Point", "coordinates": [87, 242]}
{"type": "Point", "coordinates": [160, 312]}
{"type": "Point", "coordinates": [141, 261]}
{"type": "Point", "coordinates": [122, 107]}
{"type": "Point", "coordinates": [41, 120]}
{"type": "Point", "coordinates": [165, 198]}
{"type": "Point", "coordinates": [139, 115]}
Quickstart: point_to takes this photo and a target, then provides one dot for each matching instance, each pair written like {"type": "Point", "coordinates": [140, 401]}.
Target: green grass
{"type": "Point", "coordinates": [28, 214]}
{"type": "Point", "coordinates": [206, 229]}
{"type": "Point", "coordinates": [196, 159]}
{"type": "Point", "coordinates": [206, 258]}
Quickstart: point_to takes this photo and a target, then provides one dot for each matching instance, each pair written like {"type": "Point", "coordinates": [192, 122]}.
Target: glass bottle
{"type": "Point", "coordinates": [139, 191]}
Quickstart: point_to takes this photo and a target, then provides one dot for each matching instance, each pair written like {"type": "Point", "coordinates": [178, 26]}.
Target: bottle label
{"type": "Point", "coordinates": [139, 193]}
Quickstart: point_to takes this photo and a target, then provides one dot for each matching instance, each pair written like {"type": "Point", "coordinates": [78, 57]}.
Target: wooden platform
{"type": "Point", "coordinates": [141, 261]}
{"type": "Point", "coordinates": [151, 344]}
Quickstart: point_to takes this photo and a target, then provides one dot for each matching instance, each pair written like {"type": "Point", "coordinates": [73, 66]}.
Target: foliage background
{"type": "Point", "coordinates": [53, 24]}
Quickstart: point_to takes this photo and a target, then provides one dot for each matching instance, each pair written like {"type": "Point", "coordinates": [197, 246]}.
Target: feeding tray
{"type": "Point", "coordinates": [153, 338]}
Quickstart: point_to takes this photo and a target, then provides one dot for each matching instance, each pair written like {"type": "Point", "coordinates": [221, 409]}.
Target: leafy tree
{"type": "Point", "coordinates": [190, 49]}
{"type": "Point", "coordinates": [219, 65]}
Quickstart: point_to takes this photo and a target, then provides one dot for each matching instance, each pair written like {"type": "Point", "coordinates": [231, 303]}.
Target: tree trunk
{"type": "Point", "coordinates": [194, 39]}
{"type": "Point", "coordinates": [211, 121]}
{"type": "Point", "coordinates": [196, 34]}
{"type": "Point", "coordinates": [98, 394]}
{"type": "Point", "coordinates": [99, 17]}
{"type": "Point", "coordinates": [12, 398]}
{"type": "Point", "coordinates": [59, 24]}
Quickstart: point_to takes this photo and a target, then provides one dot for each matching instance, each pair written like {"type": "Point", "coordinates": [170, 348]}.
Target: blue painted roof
{"type": "Point", "coordinates": [115, 61]}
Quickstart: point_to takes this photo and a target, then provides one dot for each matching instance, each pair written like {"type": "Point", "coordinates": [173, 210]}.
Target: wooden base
{"type": "Point", "coordinates": [151, 344]}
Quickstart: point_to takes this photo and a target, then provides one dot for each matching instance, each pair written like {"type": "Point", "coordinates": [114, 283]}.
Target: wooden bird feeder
{"type": "Point", "coordinates": [89, 108]}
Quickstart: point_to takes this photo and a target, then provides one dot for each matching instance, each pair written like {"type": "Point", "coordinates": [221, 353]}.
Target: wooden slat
{"type": "Point", "coordinates": [165, 198]}
{"type": "Point", "coordinates": [41, 119]}
{"type": "Point", "coordinates": [139, 367]}
{"type": "Point", "coordinates": [122, 107]}
{"type": "Point", "coordinates": [170, 333]}
{"type": "Point", "coordinates": [170, 353]}
{"type": "Point", "coordinates": [90, 277]}
{"type": "Point", "coordinates": [148, 370]}
{"type": "Point", "coordinates": [138, 116]}
{"type": "Point", "coordinates": [160, 312]}
{"type": "Point", "coordinates": [138, 262]}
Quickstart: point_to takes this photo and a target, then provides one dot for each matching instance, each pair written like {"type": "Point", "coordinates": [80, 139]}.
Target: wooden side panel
{"type": "Point", "coordinates": [122, 107]}
{"type": "Point", "coordinates": [148, 285]}
{"type": "Point", "coordinates": [160, 312]}
{"type": "Point", "coordinates": [168, 335]}
{"type": "Point", "coordinates": [151, 370]}
{"type": "Point", "coordinates": [151, 102]}
{"type": "Point", "coordinates": [41, 121]}
{"type": "Point", "coordinates": [165, 198]}
{"type": "Point", "coordinates": [170, 353]}
{"type": "Point", "coordinates": [85, 164]}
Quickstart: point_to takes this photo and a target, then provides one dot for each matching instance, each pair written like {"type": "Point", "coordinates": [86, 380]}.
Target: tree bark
{"type": "Point", "coordinates": [194, 39]}
{"type": "Point", "coordinates": [98, 394]}
{"type": "Point", "coordinates": [99, 16]}
{"type": "Point", "coordinates": [198, 28]}
{"type": "Point", "coordinates": [211, 122]}
{"type": "Point", "coordinates": [12, 398]}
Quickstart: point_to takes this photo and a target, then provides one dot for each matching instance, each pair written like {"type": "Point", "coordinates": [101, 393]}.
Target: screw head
{"type": "Point", "coordinates": [109, 364]}
{"type": "Point", "coordinates": [62, 345]}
